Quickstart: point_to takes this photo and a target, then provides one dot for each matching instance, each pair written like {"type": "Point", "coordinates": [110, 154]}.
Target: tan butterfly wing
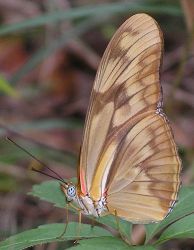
{"type": "Point", "coordinates": [126, 95]}
{"type": "Point", "coordinates": [146, 172]}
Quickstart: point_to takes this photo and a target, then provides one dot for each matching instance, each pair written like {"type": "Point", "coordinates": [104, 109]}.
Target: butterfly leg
{"type": "Point", "coordinates": [123, 237]}
{"type": "Point", "coordinates": [79, 221]}
{"type": "Point", "coordinates": [67, 221]}
{"type": "Point", "coordinates": [93, 223]}
{"type": "Point", "coordinates": [79, 225]}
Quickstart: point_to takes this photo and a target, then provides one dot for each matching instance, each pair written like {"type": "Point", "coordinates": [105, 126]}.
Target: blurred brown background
{"type": "Point", "coordinates": [49, 54]}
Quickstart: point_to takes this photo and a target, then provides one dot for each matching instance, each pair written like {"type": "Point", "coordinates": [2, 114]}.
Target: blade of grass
{"type": "Point", "coordinates": [57, 44]}
{"type": "Point", "coordinates": [45, 124]}
{"type": "Point", "coordinates": [69, 157]}
{"type": "Point", "coordinates": [6, 88]}
{"type": "Point", "coordinates": [90, 10]}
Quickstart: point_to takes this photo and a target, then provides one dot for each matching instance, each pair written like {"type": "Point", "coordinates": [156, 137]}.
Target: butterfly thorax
{"type": "Point", "coordinates": [84, 202]}
{"type": "Point", "coordinates": [91, 207]}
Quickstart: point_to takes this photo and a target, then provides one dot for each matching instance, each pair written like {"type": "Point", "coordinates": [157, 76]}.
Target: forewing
{"type": "Point", "coordinates": [125, 89]}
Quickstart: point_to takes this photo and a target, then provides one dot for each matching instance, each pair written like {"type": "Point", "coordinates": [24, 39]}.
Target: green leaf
{"type": "Point", "coordinates": [147, 247]}
{"type": "Point", "coordinates": [110, 220]}
{"type": "Point", "coordinates": [103, 243]}
{"type": "Point", "coordinates": [184, 206]}
{"type": "Point", "coordinates": [49, 191]}
{"type": "Point", "coordinates": [6, 88]}
{"type": "Point", "coordinates": [50, 233]}
{"type": "Point", "coordinates": [183, 228]}
{"type": "Point", "coordinates": [107, 243]}
{"type": "Point", "coordinates": [86, 11]}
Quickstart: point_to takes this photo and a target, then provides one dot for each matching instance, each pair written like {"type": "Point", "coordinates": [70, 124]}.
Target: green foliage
{"type": "Point", "coordinates": [11, 154]}
{"type": "Point", "coordinates": [183, 228]}
{"type": "Point", "coordinates": [179, 224]}
{"type": "Point", "coordinates": [7, 183]}
{"type": "Point", "coordinates": [87, 11]}
{"type": "Point", "coordinates": [50, 191]}
{"type": "Point", "coordinates": [47, 124]}
{"type": "Point", "coordinates": [6, 88]}
{"type": "Point", "coordinates": [51, 233]}
{"type": "Point", "coordinates": [92, 15]}
{"type": "Point", "coordinates": [184, 206]}
{"type": "Point", "coordinates": [107, 243]}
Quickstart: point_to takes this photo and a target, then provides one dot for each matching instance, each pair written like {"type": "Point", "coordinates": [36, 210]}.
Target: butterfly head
{"type": "Point", "coordinates": [69, 190]}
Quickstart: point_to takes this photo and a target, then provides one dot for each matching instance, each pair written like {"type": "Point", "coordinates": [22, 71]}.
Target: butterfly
{"type": "Point", "coordinates": [129, 164]}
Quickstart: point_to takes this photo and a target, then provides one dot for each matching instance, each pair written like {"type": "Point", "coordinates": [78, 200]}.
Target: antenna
{"type": "Point", "coordinates": [57, 177]}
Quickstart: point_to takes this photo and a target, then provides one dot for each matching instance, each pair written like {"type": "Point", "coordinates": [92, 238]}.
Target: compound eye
{"type": "Point", "coordinates": [71, 191]}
